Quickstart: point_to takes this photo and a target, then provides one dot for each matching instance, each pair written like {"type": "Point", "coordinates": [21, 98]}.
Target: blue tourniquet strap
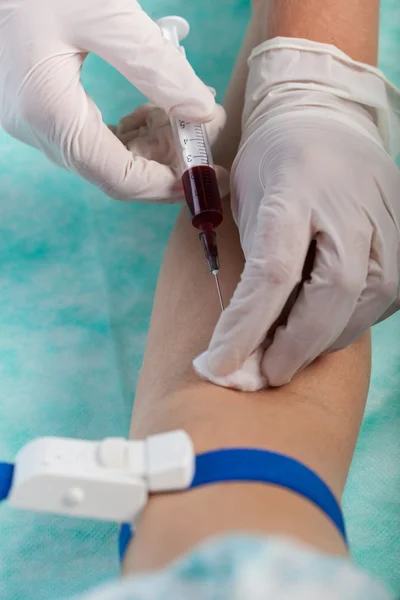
{"type": "Point", "coordinates": [263, 466]}
{"type": "Point", "coordinates": [6, 475]}
{"type": "Point", "coordinates": [240, 464]}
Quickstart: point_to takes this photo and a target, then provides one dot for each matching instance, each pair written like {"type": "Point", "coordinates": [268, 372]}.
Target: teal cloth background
{"type": "Point", "coordinates": [77, 277]}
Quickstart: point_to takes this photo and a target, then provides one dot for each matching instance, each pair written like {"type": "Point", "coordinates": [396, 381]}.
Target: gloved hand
{"type": "Point", "coordinates": [43, 44]}
{"type": "Point", "coordinates": [313, 165]}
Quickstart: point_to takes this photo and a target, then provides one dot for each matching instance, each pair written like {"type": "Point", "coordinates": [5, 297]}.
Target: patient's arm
{"type": "Point", "coordinates": [315, 418]}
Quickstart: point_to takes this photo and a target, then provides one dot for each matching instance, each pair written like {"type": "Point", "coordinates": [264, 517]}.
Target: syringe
{"type": "Point", "coordinates": [199, 179]}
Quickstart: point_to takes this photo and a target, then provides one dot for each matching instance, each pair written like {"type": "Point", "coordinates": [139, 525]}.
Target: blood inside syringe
{"type": "Point", "coordinates": [204, 201]}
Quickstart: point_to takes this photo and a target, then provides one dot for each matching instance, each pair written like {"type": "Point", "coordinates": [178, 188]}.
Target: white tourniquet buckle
{"type": "Point", "coordinates": [108, 480]}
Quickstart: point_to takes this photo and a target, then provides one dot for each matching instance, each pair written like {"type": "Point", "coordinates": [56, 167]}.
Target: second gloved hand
{"type": "Point", "coordinates": [313, 164]}
{"type": "Point", "coordinates": [43, 44]}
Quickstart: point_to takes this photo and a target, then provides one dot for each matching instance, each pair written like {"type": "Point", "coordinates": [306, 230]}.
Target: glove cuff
{"type": "Point", "coordinates": [298, 73]}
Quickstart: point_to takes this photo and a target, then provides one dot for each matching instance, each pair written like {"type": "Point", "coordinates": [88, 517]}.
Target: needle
{"type": "Point", "coordinates": [215, 273]}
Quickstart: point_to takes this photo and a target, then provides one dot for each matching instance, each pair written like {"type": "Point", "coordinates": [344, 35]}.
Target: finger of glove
{"type": "Point", "coordinates": [103, 160]}
{"type": "Point", "coordinates": [216, 125]}
{"type": "Point", "coordinates": [323, 308]}
{"type": "Point", "coordinates": [380, 297]}
{"type": "Point", "coordinates": [157, 145]}
{"type": "Point", "coordinates": [272, 271]}
{"type": "Point", "coordinates": [130, 41]}
{"type": "Point", "coordinates": [139, 119]}
{"type": "Point", "coordinates": [69, 128]}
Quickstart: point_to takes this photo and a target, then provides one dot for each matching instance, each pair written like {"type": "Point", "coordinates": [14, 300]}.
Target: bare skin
{"type": "Point", "coordinates": [352, 26]}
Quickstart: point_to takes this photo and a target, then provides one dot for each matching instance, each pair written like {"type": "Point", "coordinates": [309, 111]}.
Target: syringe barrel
{"type": "Point", "coordinates": [192, 144]}
{"type": "Point", "coordinates": [199, 178]}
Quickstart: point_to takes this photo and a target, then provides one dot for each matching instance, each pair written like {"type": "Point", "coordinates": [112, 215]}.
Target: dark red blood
{"type": "Point", "coordinates": [202, 196]}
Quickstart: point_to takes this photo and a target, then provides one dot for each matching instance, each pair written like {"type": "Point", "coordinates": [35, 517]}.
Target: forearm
{"type": "Point", "coordinates": [351, 25]}
{"type": "Point", "coordinates": [314, 419]}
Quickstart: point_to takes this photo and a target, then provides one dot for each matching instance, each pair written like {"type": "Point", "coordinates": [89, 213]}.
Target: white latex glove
{"type": "Point", "coordinates": [43, 44]}
{"type": "Point", "coordinates": [313, 164]}
{"type": "Point", "coordinates": [147, 133]}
